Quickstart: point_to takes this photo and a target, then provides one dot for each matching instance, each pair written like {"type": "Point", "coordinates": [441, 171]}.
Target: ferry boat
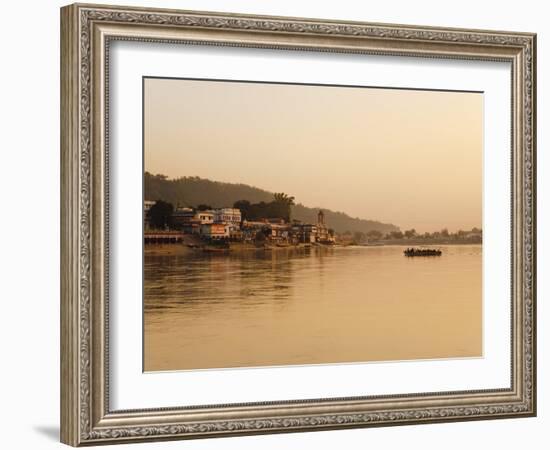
{"type": "Point", "coordinates": [422, 252]}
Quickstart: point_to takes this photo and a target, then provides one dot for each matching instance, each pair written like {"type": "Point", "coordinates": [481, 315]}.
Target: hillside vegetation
{"type": "Point", "coordinates": [194, 191]}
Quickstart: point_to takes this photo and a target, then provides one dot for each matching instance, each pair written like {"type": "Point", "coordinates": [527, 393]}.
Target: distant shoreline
{"type": "Point", "coordinates": [236, 248]}
{"type": "Point", "coordinates": [425, 242]}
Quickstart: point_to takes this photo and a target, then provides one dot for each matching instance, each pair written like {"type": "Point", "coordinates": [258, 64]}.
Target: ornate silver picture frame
{"type": "Point", "coordinates": [87, 33]}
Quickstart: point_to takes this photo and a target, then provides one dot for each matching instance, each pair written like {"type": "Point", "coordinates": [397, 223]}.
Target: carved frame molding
{"type": "Point", "coordinates": [86, 31]}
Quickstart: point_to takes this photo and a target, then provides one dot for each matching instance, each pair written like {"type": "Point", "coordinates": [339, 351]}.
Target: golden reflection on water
{"type": "Point", "coordinates": [318, 306]}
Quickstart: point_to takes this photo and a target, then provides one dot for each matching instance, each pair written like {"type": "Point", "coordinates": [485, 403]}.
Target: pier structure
{"type": "Point", "coordinates": [163, 237]}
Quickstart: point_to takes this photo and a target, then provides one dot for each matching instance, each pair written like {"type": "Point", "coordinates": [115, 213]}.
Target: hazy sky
{"type": "Point", "coordinates": [411, 158]}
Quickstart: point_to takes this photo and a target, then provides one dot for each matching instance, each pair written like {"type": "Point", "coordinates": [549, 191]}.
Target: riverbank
{"type": "Point", "coordinates": [245, 247]}
{"type": "Point", "coordinates": [193, 244]}
{"type": "Point", "coordinates": [166, 249]}
{"type": "Point", "coordinates": [422, 242]}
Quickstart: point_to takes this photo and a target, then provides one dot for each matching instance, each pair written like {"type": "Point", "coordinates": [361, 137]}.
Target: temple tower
{"type": "Point", "coordinates": [321, 217]}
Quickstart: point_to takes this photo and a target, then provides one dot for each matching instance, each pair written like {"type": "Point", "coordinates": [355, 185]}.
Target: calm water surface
{"type": "Point", "coordinates": [313, 306]}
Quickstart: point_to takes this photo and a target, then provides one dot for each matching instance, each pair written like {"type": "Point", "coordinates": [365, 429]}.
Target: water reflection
{"type": "Point", "coordinates": [310, 306]}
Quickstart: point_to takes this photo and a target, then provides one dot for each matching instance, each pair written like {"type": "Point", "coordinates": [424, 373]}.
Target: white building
{"type": "Point", "coordinates": [147, 205]}
{"type": "Point", "coordinates": [205, 216]}
{"type": "Point", "coordinates": [231, 216]}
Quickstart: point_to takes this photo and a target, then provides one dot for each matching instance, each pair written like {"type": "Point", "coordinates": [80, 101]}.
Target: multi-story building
{"type": "Point", "coordinates": [236, 235]}
{"type": "Point", "coordinates": [189, 220]}
{"type": "Point", "coordinates": [310, 233]}
{"type": "Point", "coordinates": [225, 223]}
{"type": "Point", "coordinates": [182, 216]}
{"type": "Point", "coordinates": [279, 231]}
{"type": "Point", "coordinates": [302, 233]}
{"type": "Point", "coordinates": [147, 205]}
{"type": "Point", "coordinates": [250, 229]}
{"type": "Point", "coordinates": [214, 230]}
{"type": "Point", "coordinates": [205, 216]}
{"type": "Point", "coordinates": [230, 216]}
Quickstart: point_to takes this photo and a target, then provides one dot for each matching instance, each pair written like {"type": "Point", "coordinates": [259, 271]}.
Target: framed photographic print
{"type": "Point", "coordinates": [275, 224]}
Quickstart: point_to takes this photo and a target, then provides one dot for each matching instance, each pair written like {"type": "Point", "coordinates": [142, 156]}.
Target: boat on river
{"type": "Point", "coordinates": [422, 252]}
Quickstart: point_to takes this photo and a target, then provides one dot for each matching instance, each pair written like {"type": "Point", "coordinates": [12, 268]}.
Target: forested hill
{"type": "Point", "coordinates": [194, 191]}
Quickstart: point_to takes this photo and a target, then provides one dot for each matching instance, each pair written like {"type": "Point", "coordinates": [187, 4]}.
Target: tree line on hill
{"type": "Point", "coordinates": [160, 214]}
{"type": "Point", "coordinates": [253, 202]}
{"type": "Point", "coordinates": [279, 207]}
{"type": "Point", "coordinates": [473, 235]}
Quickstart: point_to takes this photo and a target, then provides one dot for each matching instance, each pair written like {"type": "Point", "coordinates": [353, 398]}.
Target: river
{"type": "Point", "coordinates": [316, 306]}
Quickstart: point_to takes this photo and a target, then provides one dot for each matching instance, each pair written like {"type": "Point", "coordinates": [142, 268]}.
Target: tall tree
{"type": "Point", "coordinates": [244, 207]}
{"type": "Point", "coordinates": [283, 203]}
{"type": "Point", "coordinates": [160, 215]}
{"type": "Point", "coordinates": [396, 235]}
